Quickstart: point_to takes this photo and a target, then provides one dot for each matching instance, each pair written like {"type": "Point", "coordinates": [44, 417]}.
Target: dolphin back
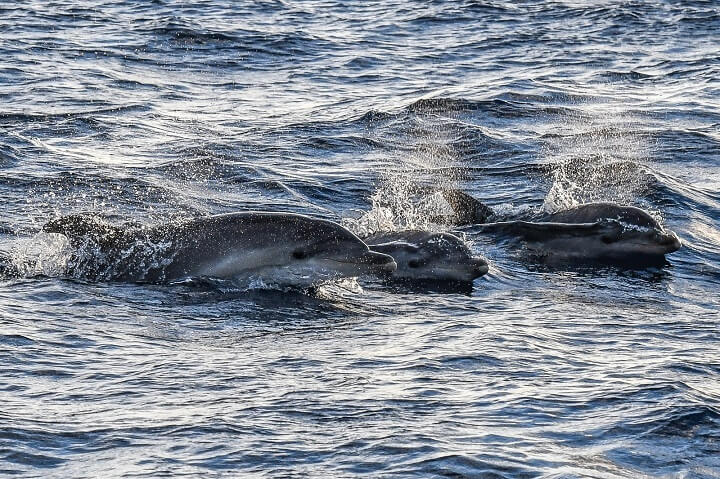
{"type": "Point", "coordinates": [85, 226]}
{"type": "Point", "coordinates": [593, 212]}
{"type": "Point", "coordinates": [540, 231]}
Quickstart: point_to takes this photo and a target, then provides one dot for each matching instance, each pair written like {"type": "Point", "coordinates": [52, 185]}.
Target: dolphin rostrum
{"type": "Point", "coordinates": [285, 248]}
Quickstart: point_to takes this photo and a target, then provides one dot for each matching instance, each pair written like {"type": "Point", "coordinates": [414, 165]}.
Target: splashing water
{"type": "Point", "coordinates": [407, 194]}
{"type": "Point", "coordinates": [45, 254]}
{"type": "Point", "coordinates": [399, 204]}
{"type": "Point", "coordinates": [597, 157]}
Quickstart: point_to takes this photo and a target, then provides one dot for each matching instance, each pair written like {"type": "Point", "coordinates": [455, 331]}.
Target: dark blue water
{"type": "Point", "coordinates": [149, 111]}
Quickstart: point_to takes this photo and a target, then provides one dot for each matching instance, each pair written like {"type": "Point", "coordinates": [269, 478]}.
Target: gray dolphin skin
{"type": "Point", "coordinates": [604, 240]}
{"type": "Point", "coordinates": [286, 248]}
{"type": "Point", "coordinates": [593, 231]}
{"type": "Point", "coordinates": [467, 209]}
{"type": "Point", "coordinates": [421, 255]}
{"type": "Point", "coordinates": [625, 232]}
{"type": "Point", "coordinates": [591, 212]}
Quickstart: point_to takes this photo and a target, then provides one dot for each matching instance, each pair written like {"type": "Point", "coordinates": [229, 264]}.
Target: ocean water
{"type": "Point", "coordinates": [153, 111]}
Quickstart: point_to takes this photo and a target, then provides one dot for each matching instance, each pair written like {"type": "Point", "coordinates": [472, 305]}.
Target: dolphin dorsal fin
{"type": "Point", "coordinates": [467, 209]}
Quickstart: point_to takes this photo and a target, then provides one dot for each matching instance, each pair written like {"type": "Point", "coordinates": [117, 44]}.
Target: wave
{"type": "Point", "coordinates": [504, 108]}
{"type": "Point", "coordinates": [24, 118]}
{"type": "Point", "coordinates": [481, 464]}
{"type": "Point", "coordinates": [631, 75]}
{"type": "Point", "coordinates": [170, 34]}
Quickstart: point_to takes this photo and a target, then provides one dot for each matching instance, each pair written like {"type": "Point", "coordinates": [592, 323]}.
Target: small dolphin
{"type": "Point", "coordinates": [592, 231]}
{"type": "Point", "coordinates": [284, 248]}
{"type": "Point", "coordinates": [421, 255]}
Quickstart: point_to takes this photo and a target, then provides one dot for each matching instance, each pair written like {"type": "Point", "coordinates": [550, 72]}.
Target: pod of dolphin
{"type": "Point", "coordinates": [299, 250]}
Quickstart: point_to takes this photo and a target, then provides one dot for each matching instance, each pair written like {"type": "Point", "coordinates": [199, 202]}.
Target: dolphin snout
{"type": "Point", "coordinates": [670, 241]}
{"type": "Point", "coordinates": [479, 266]}
{"type": "Point", "coordinates": [379, 261]}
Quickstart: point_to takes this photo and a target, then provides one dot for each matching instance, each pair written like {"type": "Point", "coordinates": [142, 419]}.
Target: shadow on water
{"type": "Point", "coordinates": [650, 269]}
{"type": "Point", "coordinates": [425, 286]}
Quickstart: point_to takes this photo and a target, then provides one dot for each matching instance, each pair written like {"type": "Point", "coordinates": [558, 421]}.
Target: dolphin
{"type": "Point", "coordinates": [601, 231]}
{"type": "Point", "coordinates": [283, 248]}
{"type": "Point", "coordinates": [605, 240]}
{"type": "Point", "coordinates": [421, 255]}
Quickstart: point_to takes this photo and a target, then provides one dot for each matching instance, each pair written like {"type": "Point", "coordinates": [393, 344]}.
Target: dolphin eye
{"type": "Point", "coordinates": [299, 254]}
{"type": "Point", "coordinates": [606, 239]}
{"type": "Point", "coordinates": [413, 263]}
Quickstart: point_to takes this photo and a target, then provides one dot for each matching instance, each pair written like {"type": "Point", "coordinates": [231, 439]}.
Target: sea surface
{"type": "Point", "coordinates": [149, 112]}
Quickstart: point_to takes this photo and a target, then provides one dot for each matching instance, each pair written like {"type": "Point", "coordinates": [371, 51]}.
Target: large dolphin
{"type": "Point", "coordinates": [422, 255]}
{"type": "Point", "coordinates": [282, 248]}
{"type": "Point", "coordinates": [593, 231]}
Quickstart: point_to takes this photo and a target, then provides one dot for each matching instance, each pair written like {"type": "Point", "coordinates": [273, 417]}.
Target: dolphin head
{"type": "Point", "coordinates": [606, 231]}
{"type": "Point", "coordinates": [633, 241]}
{"type": "Point", "coordinates": [287, 248]}
{"type": "Point", "coordinates": [325, 250]}
{"type": "Point", "coordinates": [421, 255]}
